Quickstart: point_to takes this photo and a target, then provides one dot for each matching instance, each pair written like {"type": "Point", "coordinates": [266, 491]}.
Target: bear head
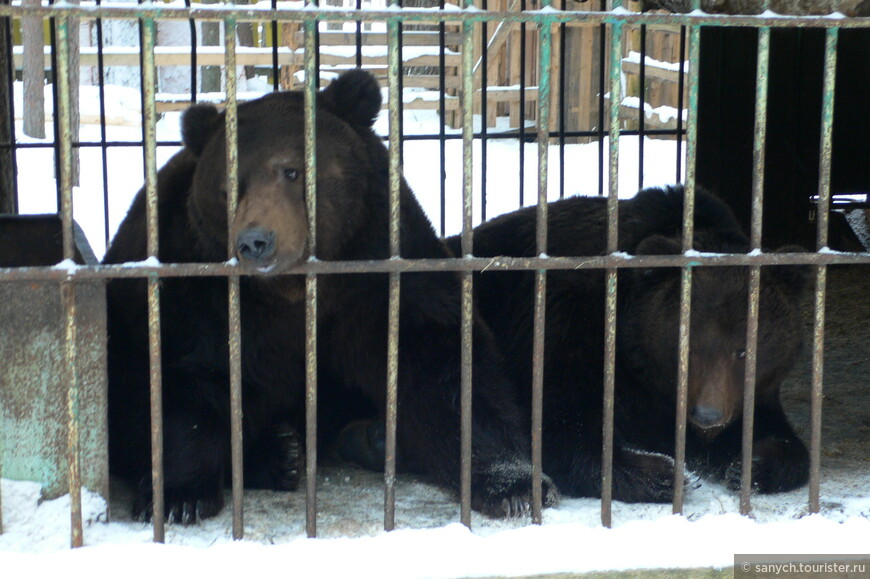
{"type": "Point", "coordinates": [269, 231]}
{"type": "Point", "coordinates": [717, 336]}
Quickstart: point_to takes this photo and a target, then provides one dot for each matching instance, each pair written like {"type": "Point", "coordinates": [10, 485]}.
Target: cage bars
{"type": "Point", "coordinates": [540, 264]}
{"type": "Point", "coordinates": [312, 78]}
{"type": "Point", "coordinates": [545, 33]}
{"type": "Point", "coordinates": [467, 248]}
{"type": "Point", "coordinates": [233, 289]}
{"type": "Point", "coordinates": [751, 358]}
{"type": "Point", "coordinates": [824, 204]}
{"type": "Point", "coordinates": [395, 180]}
{"type": "Point", "coordinates": [615, 78]}
{"type": "Point", "coordinates": [694, 40]}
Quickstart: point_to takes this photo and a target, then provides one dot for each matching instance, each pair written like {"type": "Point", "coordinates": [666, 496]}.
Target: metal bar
{"type": "Point", "coordinates": [684, 338]}
{"type": "Point", "coordinates": [500, 263]}
{"type": "Point", "coordinates": [563, 114]}
{"type": "Point", "coordinates": [8, 169]}
{"type": "Point", "coordinates": [193, 67]}
{"type": "Point", "coordinates": [822, 211]}
{"type": "Point", "coordinates": [276, 72]}
{"type": "Point", "coordinates": [484, 79]}
{"type": "Point", "coordinates": [602, 82]}
{"type": "Point", "coordinates": [512, 135]}
{"type": "Point", "coordinates": [682, 388]}
{"type": "Point", "coordinates": [615, 75]}
{"type": "Point", "coordinates": [680, 89]}
{"type": "Point", "coordinates": [641, 113]}
{"type": "Point", "coordinates": [310, 96]}
{"type": "Point", "coordinates": [358, 37]}
{"type": "Point", "coordinates": [68, 290]}
{"type": "Point", "coordinates": [442, 115]}
{"type": "Point", "coordinates": [149, 128]}
{"type": "Point", "coordinates": [522, 106]}
{"type": "Point", "coordinates": [751, 363]}
{"type": "Point", "coordinates": [235, 325]}
{"type": "Point", "coordinates": [408, 15]}
{"type": "Point", "coordinates": [101, 87]}
{"type": "Point", "coordinates": [395, 176]}
{"type": "Point", "coordinates": [545, 33]}
{"type": "Point", "coordinates": [466, 287]}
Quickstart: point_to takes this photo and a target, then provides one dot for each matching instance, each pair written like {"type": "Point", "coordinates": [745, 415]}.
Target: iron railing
{"type": "Point", "coordinates": [67, 274]}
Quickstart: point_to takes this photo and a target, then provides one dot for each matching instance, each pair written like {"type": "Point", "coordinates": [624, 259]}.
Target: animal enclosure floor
{"type": "Point", "coordinates": [350, 500]}
{"type": "Point", "coordinates": [429, 543]}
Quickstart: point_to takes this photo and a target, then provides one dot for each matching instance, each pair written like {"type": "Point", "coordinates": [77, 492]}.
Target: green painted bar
{"type": "Point", "coordinates": [615, 78]}
{"type": "Point", "coordinates": [545, 32]}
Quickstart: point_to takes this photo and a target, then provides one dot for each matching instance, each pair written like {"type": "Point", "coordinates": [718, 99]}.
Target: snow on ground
{"type": "Point", "coordinates": [429, 542]}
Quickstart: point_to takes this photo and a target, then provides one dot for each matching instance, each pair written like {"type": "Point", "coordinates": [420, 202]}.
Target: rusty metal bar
{"type": "Point", "coordinates": [684, 338]}
{"type": "Point", "coordinates": [235, 324]}
{"type": "Point", "coordinates": [545, 33]}
{"type": "Point", "coordinates": [465, 361]}
{"type": "Point", "coordinates": [312, 78]}
{"type": "Point", "coordinates": [615, 73]}
{"type": "Point", "coordinates": [822, 211]}
{"type": "Point", "coordinates": [500, 263]}
{"type": "Point", "coordinates": [395, 177]}
{"type": "Point", "coordinates": [149, 128]}
{"type": "Point", "coordinates": [751, 364]}
{"type": "Point", "coordinates": [307, 14]}
{"type": "Point", "coordinates": [67, 289]}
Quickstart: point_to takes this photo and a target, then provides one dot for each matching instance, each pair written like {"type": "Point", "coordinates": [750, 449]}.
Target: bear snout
{"type": "Point", "coordinates": [255, 244]}
{"type": "Point", "coordinates": [706, 416]}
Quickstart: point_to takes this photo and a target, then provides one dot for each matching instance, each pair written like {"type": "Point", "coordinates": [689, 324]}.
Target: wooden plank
{"type": "Point", "coordinates": [652, 71]}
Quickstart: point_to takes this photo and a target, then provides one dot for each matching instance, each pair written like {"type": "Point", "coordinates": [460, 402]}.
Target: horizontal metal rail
{"type": "Point", "coordinates": [144, 270]}
{"type": "Point", "coordinates": [408, 15]}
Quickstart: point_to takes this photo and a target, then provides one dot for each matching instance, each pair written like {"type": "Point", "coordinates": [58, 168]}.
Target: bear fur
{"type": "Point", "coordinates": [270, 235]}
{"type": "Point", "coordinates": [647, 353]}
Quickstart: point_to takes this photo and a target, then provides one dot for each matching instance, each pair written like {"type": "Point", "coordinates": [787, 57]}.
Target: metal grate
{"type": "Point", "coordinates": [542, 17]}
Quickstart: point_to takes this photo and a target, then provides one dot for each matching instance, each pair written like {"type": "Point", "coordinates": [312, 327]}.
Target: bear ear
{"type": "Point", "coordinates": [658, 245]}
{"type": "Point", "coordinates": [197, 126]}
{"type": "Point", "coordinates": [355, 96]}
{"type": "Point", "coordinates": [792, 279]}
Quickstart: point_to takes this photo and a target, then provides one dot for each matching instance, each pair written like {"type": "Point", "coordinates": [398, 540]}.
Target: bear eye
{"type": "Point", "coordinates": [291, 174]}
{"type": "Point", "coordinates": [740, 354]}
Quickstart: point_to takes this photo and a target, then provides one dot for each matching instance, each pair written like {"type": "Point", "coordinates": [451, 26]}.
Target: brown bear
{"type": "Point", "coordinates": [647, 354]}
{"type": "Point", "coordinates": [270, 233]}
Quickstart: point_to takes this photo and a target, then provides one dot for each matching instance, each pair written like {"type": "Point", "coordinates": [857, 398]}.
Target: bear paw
{"type": "Point", "coordinates": [287, 462]}
{"type": "Point", "coordinates": [185, 506]}
{"type": "Point", "coordinates": [642, 477]}
{"type": "Point", "coordinates": [505, 491]}
{"type": "Point", "coordinates": [778, 465]}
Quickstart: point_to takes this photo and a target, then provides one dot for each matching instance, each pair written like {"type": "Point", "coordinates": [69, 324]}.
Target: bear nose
{"type": "Point", "coordinates": [255, 244]}
{"type": "Point", "coordinates": [706, 415]}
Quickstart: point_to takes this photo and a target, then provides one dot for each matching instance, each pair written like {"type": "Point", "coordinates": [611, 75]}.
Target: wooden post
{"type": "Point", "coordinates": [290, 38]}
{"type": "Point", "coordinates": [33, 73]}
